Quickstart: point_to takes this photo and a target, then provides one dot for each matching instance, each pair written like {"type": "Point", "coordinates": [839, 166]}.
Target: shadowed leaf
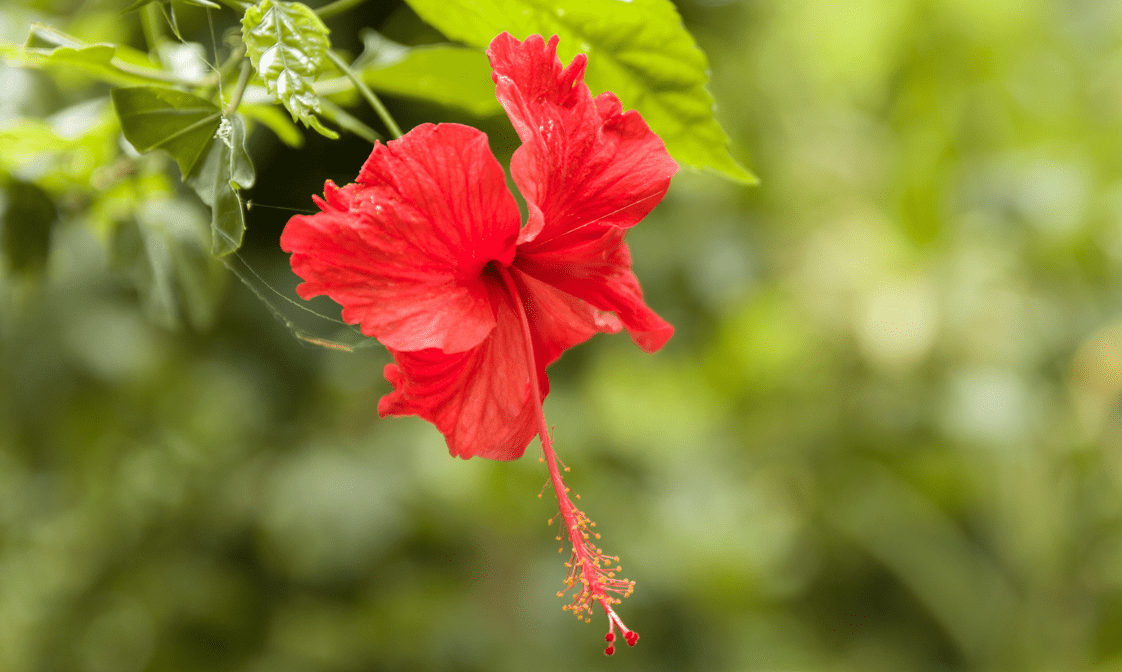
{"type": "Point", "coordinates": [156, 118]}
{"type": "Point", "coordinates": [164, 252]}
{"type": "Point", "coordinates": [29, 215]}
{"type": "Point", "coordinates": [444, 74]}
{"type": "Point", "coordinates": [223, 171]}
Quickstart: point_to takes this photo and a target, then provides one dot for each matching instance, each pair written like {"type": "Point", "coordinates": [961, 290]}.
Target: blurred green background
{"type": "Point", "coordinates": [885, 436]}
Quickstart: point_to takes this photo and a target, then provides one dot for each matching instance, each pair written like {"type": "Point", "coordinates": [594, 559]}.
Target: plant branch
{"type": "Point", "coordinates": [149, 73]}
{"type": "Point", "coordinates": [239, 89]}
{"type": "Point", "coordinates": [375, 103]}
{"type": "Point", "coordinates": [149, 24]}
{"type": "Point", "coordinates": [337, 7]}
{"type": "Point", "coordinates": [346, 121]}
{"type": "Point", "coordinates": [236, 5]}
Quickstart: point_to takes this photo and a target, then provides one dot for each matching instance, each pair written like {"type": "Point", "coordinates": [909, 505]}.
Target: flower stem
{"type": "Point", "coordinates": [588, 565]}
{"type": "Point", "coordinates": [383, 113]}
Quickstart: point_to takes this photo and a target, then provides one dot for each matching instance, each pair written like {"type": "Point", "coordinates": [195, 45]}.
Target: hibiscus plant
{"type": "Point", "coordinates": [426, 250]}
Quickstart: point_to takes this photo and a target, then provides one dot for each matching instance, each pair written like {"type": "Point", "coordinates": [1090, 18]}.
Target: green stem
{"type": "Point", "coordinates": [346, 121]}
{"type": "Point", "coordinates": [52, 35]}
{"type": "Point", "coordinates": [239, 89]}
{"type": "Point", "coordinates": [149, 24]}
{"type": "Point", "coordinates": [149, 73]}
{"type": "Point", "coordinates": [232, 61]}
{"type": "Point", "coordinates": [60, 39]}
{"type": "Point", "coordinates": [383, 113]}
{"type": "Point", "coordinates": [215, 79]}
{"type": "Point", "coordinates": [236, 5]}
{"type": "Point", "coordinates": [337, 7]}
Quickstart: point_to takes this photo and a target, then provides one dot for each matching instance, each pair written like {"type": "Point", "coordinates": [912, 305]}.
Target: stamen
{"type": "Point", "coordinates": [592, 575]}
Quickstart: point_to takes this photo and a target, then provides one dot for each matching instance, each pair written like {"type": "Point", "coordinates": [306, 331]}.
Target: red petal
{"type": "Point", "coordinates": [594, 264]}
{"type": "Point", "coordinates": [558, 321]}
{"type": "Point", "coordinates": [402, 251]}
{"type": "Point", "coordinates": [582, 161]}
{"type": "Point", "coordinates": [479, 399]}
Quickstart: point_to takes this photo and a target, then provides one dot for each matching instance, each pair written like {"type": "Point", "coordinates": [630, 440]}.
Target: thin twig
{"type": "Point", "coordinates": [239, 89]}
{"type": "Point", "coordinates": [383, 113]}
{"type": "Point", "coordinates": [337, 7]}
{"type": "Point", "coordinates": [349, 122]}
{"type": "Point", "coordinates": [149, 73]}
{"type": "Point", "coordinates": [149, 24]}
{"type": "Point", "coordinates": [236, 4]}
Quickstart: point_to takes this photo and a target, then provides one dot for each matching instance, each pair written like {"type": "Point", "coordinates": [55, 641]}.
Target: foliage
{"type": "Point", "coordinates": [287, 44]}
{"type": "Point", "coordinates": [224, 171]}
{"type": "Point", "coordinates": [638, 50]}
{"type": "Point", "coordinates": [179, 123]}
{"type": "Point", "coordinates": [885, 436]}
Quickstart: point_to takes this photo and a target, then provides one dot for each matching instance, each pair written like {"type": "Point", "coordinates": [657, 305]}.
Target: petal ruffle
{"type": "Point", "coordinates": [403, 249]}
{"type": "Point", "coordinates": [583, 160]}
{"type": "Point", "coordinates": [594, 264]}
{"type": "Point", "coordinates": [479, 399]}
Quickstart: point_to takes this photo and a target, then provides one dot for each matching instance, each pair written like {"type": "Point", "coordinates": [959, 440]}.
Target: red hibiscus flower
{"type": "Point", "coordinates": [426, 251]}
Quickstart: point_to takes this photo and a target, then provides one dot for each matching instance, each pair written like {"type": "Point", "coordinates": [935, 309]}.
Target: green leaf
{"type": "Point", "coordinates": [444, 74]}
{"type": "Point", "coordinates": [48, 47]}
{"type": "Point", "coordinates": [157, 118]}
{"type": "Point", "coordinates": [163, 249]}
{"type": "Point", "coordinates": [198, 3]}
{"type": "Point", "coordinates": [346, 121]}
{"type": "Point", "coordinates": [274, 119]}
{"type": "Point", "coordinates": [136, 5]}
{"type": "Point", "coordinates": [65, 151]}
{"type": "Point", "coordinates": [168, 10]}
{"type": "Point", "coordinates": [25, 229]}
{"type": "Point", "coordinates": [287, 43]}
{"type": "Point", "coordinates": [217, 179]}
{"type": "Point", "coordinates": [639, 50]}
{"type": "Point", "coordinates": [27, 138]}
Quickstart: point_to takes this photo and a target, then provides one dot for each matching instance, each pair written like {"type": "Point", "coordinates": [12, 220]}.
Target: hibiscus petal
{"type": "Point", "coordinates": [479, 399]}
{"type": "Point", "coordinates": [582, 161]}
{"type": "Point", "coordinates": [594, 264]}
{"type": "Point", "coordinates": [558, 320]}
{"type": "Point", "coordinates": [403, 249]}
